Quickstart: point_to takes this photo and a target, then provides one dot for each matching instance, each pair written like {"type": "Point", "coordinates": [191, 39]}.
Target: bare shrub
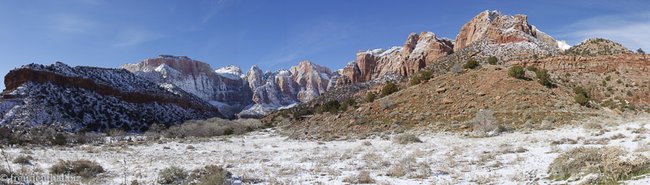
{"type": "Point", "coordinates": [153, 133]}
{"type": "Point", "coordinates": [409, 167]}
{"type": "Point", "coordinates": [592, 126]}
{"type": "Point", "coordinates": [82, 168]}
{"type": "Point", "coordinates": [374, 161]}
{"type": "Point", "coordinates": [404, 139]}
{"type": "Point", "coordinates": [24, 160]}
{"type": "Point", "coordinates": [485, 124]}
{"type": "Point", "coordinates": [564, 141]}
{"type": "Point", "coordinates": [209, 175]}
{"type": "Point", "coordinates": [420, 171]}
{"type": "Point", "coordinates": [212, 127]}
{"type": "Point", "coordinates": [172, 175]}
{"type": "Point", "coordinates": [610, 164]}
{"type": "Point", "coordinates": [386, 103]}
{"type": "Point", "coordinates": [364, 178]}
{"type": "Point", "coordinates": [398, 170]}
{"type": "Point", "coordinates": [617, 136]}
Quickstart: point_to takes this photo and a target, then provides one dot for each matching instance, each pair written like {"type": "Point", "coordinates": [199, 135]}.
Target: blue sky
{"type": "Point", "coordinates": [276, 34]}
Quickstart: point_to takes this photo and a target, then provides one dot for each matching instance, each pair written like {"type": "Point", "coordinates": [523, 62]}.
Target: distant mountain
{"type": "Point", "coordinates": [89, 98]}
{"type": "Point", "coordinates": [223, 88]}
{"type": "Point", "coordinates": [250, 95]}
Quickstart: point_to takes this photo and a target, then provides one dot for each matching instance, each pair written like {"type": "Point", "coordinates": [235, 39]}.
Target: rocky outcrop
{"type": "Point", "coordinates": [223, 87]}
{"type": "Point", "coordinates": [285, 88]}
{"type": "Point", "coordinates": [504, 36]}
{"type": "Point", "coordinates": [312, 80]}
{"type": "Point", "coordinates": [597, 46]}
{"type": "Point", "coordinates": [89, 98]}
{"type": "Point", "coordinates": [418, 51]}
{"type": "Point", "coordinates": [601, 64]}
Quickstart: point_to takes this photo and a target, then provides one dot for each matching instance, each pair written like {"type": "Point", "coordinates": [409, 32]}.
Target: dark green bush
{"type": "Point", "coordinates": [388, 89]}
{"type": "Point", "coordinates": [425, 74]}
{"type": "Point", "coordinates": [370, 97]}
{"type": "Point", "coordinates": [331, 106]}
{"type": "Point", "coordinates": [471, 64]}
{"type": "Point", "coordinates": [416, 80]}
{"type": "Point", "coordinates": [517, 72]}
{"type": "Point", "coordinates": [59, 140]}
{"type": "Point", "coordinates": [493, 60]}
{"type": "Point", "coordinates": [347, 103]}
{"type": "Point", "coordinates": [228, 131]}
{"type": "Point", "coordinates": [581, 99]}
{"type": "Point", "coordinates": [532, 68]}
{"type": "Point", "coordinates": [544, 78]}
{"type": "Point", "coordinates": [581, 96]}
{"type": "Point", "coordinates": [300, 112]}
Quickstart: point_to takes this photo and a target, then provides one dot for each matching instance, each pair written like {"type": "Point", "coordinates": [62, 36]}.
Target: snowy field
{"type": "Point", "coordinates": [270, 158]}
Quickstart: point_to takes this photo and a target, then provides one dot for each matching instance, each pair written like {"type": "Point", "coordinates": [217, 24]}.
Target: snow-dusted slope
{"type": "Point", "coordinates": [89, 98]}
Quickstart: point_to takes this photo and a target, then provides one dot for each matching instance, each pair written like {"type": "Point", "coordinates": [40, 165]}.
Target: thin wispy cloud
{"type": "Point", "coordinates": [68, 23]}
{"type": "Point", "coordinates": [214, 6]}
{"type": "Point", "coordinates": [136, 36]}
{"type": "Point", "coordinates": [631, 30]}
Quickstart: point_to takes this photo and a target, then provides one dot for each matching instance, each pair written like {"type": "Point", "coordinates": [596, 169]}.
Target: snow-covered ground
{"type": "Point", "coordinates": [442, 158]}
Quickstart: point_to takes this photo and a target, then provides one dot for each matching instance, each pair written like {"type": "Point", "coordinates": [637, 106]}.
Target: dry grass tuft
{"type": "Point", "coordinates": [610, 164]}
{"type": "Point", "coordinates": [485, 124]}
{"type": "Point", "coordinates": [211, 127]}
{"type": "Point", "coordinates": [172, 175]}
{"type": "Point", "coordinates": [24, 160]}
{"type": "Point", "coordinates": [82, 168]}
{"type": "Point", "coordinates": [404, 139]}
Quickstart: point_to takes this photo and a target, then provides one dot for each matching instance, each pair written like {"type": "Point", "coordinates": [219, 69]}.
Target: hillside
{"type": "Point", "coordinates": [93, 99]}
{"type": "Point", "coordinates": [447, 103]}
{"type": "Point", "coordinates": [597, 46]}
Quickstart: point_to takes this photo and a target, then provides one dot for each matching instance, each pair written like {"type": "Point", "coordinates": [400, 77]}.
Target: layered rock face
{"type": "Point", "coordinates": [418, 51]}
{"type": "Point", "coordinates": [312, 80]}
{"type": "Point", "coordinates": [284, 88]}
{"type": "Point", "coordinates": [504, 36]}
{"type": "Point", "coordinates": [223, 88]}
{"type": "Point", "coordinates": [89, 98]}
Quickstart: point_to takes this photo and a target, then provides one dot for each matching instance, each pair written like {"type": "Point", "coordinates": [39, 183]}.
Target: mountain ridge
{"type": "Point", "coordinates": [229, 92]}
